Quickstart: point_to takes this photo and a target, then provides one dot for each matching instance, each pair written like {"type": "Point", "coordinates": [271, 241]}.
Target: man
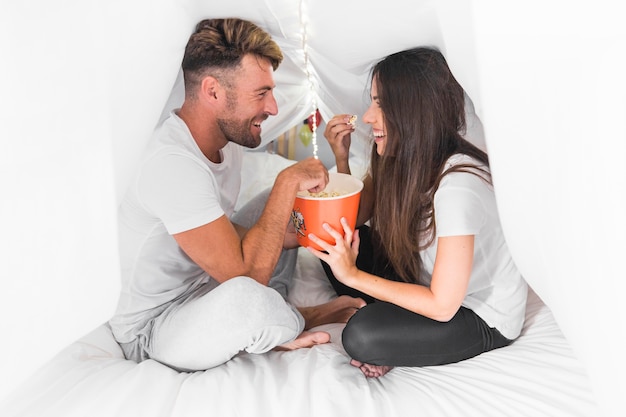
{"type": "Point", "coordinates": [194, 283]}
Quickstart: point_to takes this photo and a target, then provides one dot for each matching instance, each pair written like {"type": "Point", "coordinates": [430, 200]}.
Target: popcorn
{"type": "Point", "coordinates": [326, 194]}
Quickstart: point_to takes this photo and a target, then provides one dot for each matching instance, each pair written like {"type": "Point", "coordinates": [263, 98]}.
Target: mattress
{"type": "Point", "coordinates": [538, 375]}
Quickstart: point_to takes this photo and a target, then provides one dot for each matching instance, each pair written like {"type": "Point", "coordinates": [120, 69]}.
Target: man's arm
{"type": "Point", "coordinates": [218, 248]}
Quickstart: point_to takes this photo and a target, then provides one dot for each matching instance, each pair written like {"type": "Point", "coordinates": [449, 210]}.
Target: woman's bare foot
{"type": "Point", "coordinates": [305, 340]}
{"type": "Point", "coordinates": [338, 310]}
{"type": "Point", "coordinates": [371, 371]}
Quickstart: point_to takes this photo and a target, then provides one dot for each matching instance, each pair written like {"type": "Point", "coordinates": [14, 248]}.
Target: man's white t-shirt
{"type": "Point", "coordinates": [465, 204]}
{"type": "Point", "coordinates": [175, 189]}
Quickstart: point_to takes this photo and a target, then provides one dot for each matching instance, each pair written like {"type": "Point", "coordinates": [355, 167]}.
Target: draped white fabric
{"type": "Point", "coordinates": [84, 82]}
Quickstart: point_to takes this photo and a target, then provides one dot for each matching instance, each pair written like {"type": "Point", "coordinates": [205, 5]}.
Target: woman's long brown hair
{"type": "Point", "coordinates": [424, 112]}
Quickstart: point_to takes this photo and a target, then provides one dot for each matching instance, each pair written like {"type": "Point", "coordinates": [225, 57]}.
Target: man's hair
{"type": "Point", "coordinates": [217, 47]}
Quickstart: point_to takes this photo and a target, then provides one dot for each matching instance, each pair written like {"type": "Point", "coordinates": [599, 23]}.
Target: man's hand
{"type": "Point", "coordinates": [310, 174]}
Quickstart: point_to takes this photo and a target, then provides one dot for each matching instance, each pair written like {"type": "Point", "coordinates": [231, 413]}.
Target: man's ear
{"type": "Point", "coordinates": [210, 88]}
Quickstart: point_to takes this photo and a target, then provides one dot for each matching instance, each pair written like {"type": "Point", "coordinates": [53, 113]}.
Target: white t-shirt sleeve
{"type": "Point", "coordinates": [458, 208]}
{"type": "Point", "coordinates": [180, 191]}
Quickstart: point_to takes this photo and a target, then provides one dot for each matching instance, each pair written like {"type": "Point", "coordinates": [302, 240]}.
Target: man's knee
{"type": "Point", "coordinates": [262, 305]}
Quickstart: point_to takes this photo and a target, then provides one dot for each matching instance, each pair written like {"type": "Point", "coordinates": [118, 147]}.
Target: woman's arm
{"type": "Point", "coordinates": [337, 133]}
{"type": "Point", "coordinates": [440, 301]}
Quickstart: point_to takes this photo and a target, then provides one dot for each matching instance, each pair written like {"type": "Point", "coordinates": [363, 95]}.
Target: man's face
{"type": "Point", "coordinates": [249, 102]}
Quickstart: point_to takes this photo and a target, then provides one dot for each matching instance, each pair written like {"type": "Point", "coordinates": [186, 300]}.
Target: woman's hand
{"type": "Point", "coordinates": [341, 257]}
{"type": "Point", "coordinates": [337, 133]}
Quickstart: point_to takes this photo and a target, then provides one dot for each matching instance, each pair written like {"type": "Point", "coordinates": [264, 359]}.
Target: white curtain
{"type": "Point", "coordinates": [84, 82]}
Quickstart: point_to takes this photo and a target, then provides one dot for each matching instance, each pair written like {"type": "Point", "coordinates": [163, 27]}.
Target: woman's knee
{"type": "Point", "coordinates": [383, 334]}
{"type": "Point", "coordinates": [363, 337]}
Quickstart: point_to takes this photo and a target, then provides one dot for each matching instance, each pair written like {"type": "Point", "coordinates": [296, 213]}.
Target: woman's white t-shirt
{"type": "Point", "coordinates": [465, 204]}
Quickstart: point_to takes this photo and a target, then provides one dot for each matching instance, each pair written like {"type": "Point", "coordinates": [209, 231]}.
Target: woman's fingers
{"type": "Point", "coordinates": [347, 231]}
{"type": "Point", "coordinates": [333, 233]}
{"type": "Point", "coordinates": [320, 242]}
{"type": "Point", "coordinates": [347, 236]}
{"type": "Point", "coordinates": [356, 242]}
{"type": "Point", "coordinates": [342, 241]}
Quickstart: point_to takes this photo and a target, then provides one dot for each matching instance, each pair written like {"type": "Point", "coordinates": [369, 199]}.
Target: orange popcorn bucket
{"type": "Point", "coordinates": [339, 199]}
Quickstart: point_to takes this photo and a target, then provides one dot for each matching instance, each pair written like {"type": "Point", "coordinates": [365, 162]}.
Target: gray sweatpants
{"type": "Point", "coordinates": [215, 323]}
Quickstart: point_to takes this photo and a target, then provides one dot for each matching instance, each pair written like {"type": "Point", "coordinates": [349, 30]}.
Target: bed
{"type": "Point", "coordinates": [538, 375]}
{"type": "Point", "coordinates": [556, 152]}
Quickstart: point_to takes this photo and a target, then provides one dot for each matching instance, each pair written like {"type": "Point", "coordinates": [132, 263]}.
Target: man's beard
{"type": "Point", "coordinates": [237, 131]}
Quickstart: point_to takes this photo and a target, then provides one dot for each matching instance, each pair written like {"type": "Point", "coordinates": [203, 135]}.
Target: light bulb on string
{"type": "Point", "coordinates": [314, 132]}
{"type": "Point", "coordinates": [315, 118]}
{"type": "Point", "coordinates": [311, 124]}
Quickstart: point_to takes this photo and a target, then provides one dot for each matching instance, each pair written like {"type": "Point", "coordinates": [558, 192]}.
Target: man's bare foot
{"type": "Point", "coordinates": [371, 371]}
{"type": "Point", "coordinates": [305, 340]}
{"type": "Point", "coordinates": [338, 310]}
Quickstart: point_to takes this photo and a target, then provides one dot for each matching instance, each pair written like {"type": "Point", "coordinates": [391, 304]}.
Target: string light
{"type": "Point", "coordinates": [314, 130]}
{"type": "Point", "coordinates": [309, 75]}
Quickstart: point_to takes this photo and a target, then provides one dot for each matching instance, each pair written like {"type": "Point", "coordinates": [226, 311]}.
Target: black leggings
{"type": "Point", "coordinates": [382, 333]}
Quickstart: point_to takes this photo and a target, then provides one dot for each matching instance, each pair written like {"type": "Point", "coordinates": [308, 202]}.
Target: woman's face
{"type": "Point", "coordinates": [374, 116]}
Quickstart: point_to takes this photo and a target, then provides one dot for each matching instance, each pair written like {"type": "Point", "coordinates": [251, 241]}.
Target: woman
{"type": "Point", "coordinates": [434, 267]}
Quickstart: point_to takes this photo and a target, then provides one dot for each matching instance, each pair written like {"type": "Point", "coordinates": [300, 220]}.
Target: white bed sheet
{"type": "Point", "coordinates": [538, 375]}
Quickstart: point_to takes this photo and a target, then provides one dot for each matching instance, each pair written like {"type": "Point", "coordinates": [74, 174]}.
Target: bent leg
{"type": "Point", "coordinates": [239, 314]}
{"type": "Point", "coordinates": [385, 334]}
